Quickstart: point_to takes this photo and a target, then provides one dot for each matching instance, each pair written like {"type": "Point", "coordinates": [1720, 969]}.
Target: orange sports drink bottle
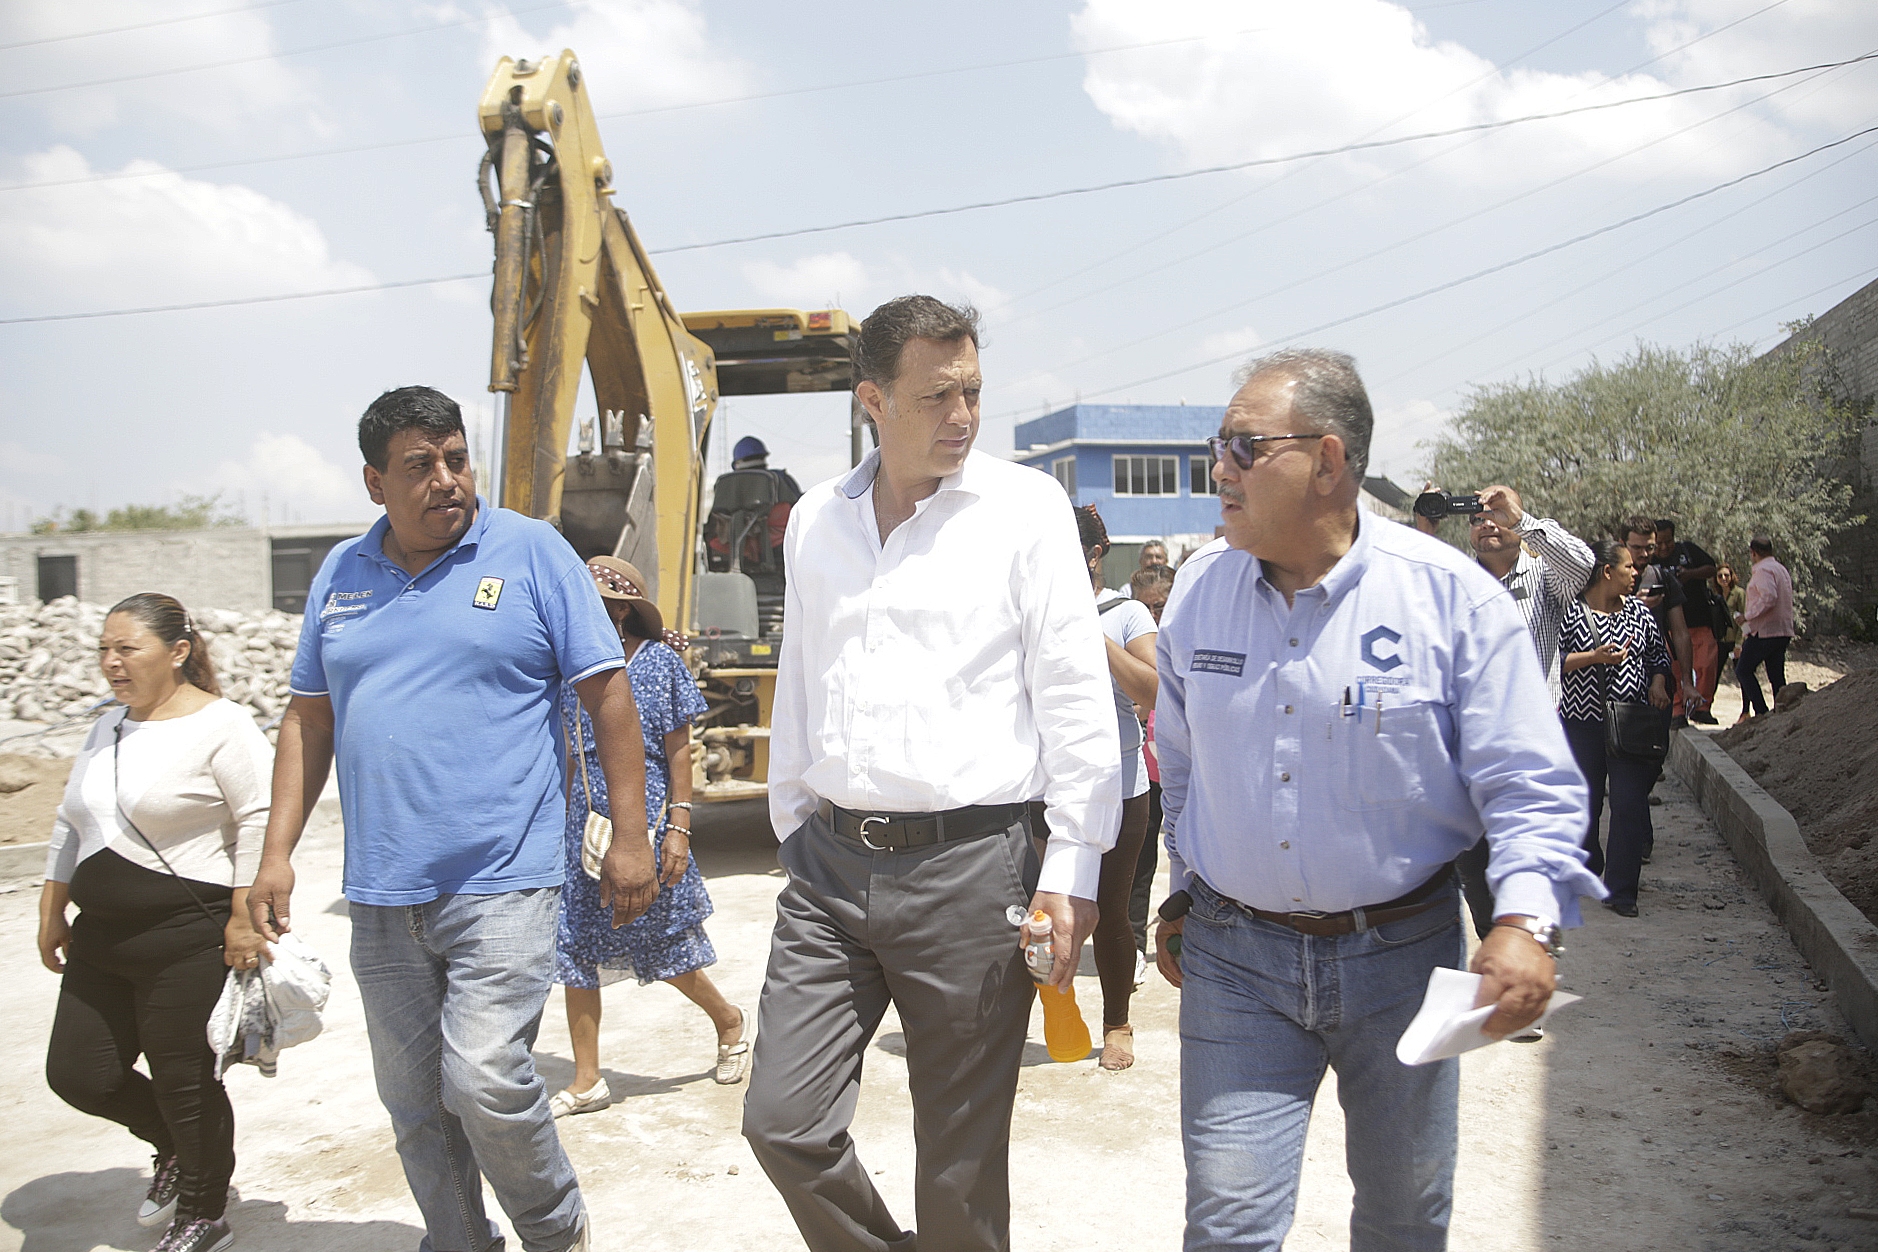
{"type": "Point", "coordinates": [1065, 1034]}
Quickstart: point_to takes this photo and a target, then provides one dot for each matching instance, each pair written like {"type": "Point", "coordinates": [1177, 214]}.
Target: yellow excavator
{"type": "Point", "coordinates": [573, 283]}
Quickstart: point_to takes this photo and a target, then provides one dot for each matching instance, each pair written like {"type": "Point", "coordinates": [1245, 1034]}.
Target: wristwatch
{"type": "Point", "coordinates": [1547, 934]}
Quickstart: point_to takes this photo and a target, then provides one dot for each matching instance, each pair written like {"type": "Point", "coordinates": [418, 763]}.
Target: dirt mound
{"type": "Point", "coordinates": [1819, 759]}
{"type": "Point", "coordinates": [30, 789]}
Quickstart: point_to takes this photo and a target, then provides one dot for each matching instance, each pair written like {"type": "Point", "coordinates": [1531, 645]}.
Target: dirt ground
{"type": "Point", "coordinates": [30, 789]}
{"type": "Point", "coordinates": [1644, 1122]}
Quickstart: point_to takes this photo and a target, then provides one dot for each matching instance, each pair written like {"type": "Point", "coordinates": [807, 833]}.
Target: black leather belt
{"type": "Point", "coordinates": [1329, 925]}
{"type": "Point", "coordinates": [894, 832]}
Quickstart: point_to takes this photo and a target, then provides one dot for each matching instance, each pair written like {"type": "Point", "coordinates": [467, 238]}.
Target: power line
{"type": "Point", "coordinates": [462, 137]}
{"type": "Point", "coordinates": [1499, 68]}
{"type": "Point", "coordinates": [1422, 361]}
{"type": "Point", "coordinates": [162, 21]}
{"type": "Point", "coordinates": [1491, 269]}
{"type": "Point", "coordinates": [1152, 179]}
{"type": "Point", "coordinates": [223, 304]}
{"type": "Point", "coordinates": [1351, 262]}
{"type": "Point", "coordinates": [273, 56]}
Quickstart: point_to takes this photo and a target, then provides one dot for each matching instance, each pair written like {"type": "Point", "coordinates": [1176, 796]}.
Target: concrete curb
{"type": "Point", "coordinates": [1832, 935]}
{"type": "Point", "coordinates": [23, 860]}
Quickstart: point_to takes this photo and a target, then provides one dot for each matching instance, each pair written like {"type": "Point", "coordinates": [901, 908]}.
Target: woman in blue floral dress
{"type": "Point", "coordinates": [667, 942]}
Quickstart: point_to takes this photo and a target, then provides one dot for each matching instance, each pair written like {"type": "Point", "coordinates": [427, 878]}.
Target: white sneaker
{"type": "Point", "coordinates": [1141, 968]}
{"type": "Point", "coordinates": [567, 1102]}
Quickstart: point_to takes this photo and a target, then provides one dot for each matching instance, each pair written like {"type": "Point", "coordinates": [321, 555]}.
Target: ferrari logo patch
{"type": "Point", "coordinates": [488, 591]}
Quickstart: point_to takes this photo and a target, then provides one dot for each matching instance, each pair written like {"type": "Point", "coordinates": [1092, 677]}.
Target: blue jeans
{"type": "Point", "coordinates": [1263, 1010]}
{"type": "Point", "coordinates": [453, 993]}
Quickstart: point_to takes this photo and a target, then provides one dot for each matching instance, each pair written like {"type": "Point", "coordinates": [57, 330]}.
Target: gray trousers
{"type": "Point", "coordinates": [926, 930]}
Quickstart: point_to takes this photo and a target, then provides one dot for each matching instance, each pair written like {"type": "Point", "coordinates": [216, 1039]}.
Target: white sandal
{"type": "Point", "coordinates": [567, 1101]}
{"type": "Point", "coordinates": [733, 1059]}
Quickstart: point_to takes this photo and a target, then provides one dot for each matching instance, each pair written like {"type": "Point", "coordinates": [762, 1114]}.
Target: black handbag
{"type": "Point", "coordinates": [1633, 730]}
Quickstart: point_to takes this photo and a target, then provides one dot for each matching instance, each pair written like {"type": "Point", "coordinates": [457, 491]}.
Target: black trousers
{"type": "Point", "coordinates": [141, 976]}
{"type": "Point", "coordinates": [1756, 651]}
{"type": "Point", "coordinates": [1472, 866]}
{"type": "Point", "coordinates": [1146, 866]}
{"type": "Point", "coordinates": [1627, 783]}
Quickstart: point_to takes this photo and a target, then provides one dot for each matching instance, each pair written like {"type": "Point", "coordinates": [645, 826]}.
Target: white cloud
{"type": "Point", "coordinates": [17, 458]}
{"type": "Point", "coordinates": [222, 100]}
{"type": "Point", "coordinates": [293, 481]}
{"type": "Point", "coordinates": [634, 53]}
{"type": "Point", "coordinates": [824, 280]}
{"type": "Point", "coordinates": [1231, 342]}
{"type": "Point", "coordinates": [1397, 448]}
{"type": "Point", "coordinates": [1281, 77]}
{"type": "Point", "coordinates": [164, 239]}
{"type": "Point", "coordinates": [828, 279]}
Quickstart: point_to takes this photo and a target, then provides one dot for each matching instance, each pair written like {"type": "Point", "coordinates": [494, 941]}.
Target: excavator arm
{"type": "Point", "coordinates": [573, 283]}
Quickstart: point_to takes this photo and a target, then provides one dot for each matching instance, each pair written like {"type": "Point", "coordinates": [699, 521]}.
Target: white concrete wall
{"type": "Point", "coordinates": [205, 569]}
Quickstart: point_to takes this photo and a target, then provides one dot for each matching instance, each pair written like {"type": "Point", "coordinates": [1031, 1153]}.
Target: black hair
{"type": "Point", "coordinates": [884, 334]}
{"type": "Point", "coordinates": [1090, 527]}
{"type": "Point", "coordinates": [1665, 525]}
{"type": "Point", "coordinates": [406, 408]}
{"type": "Point", "coordinates": [1761, 545]}
{"type": "Point", "coordinates": [167, 619]}
{"type": "Point", "coordinates": [1150, 576]}
{"type": "Point", "coordinates": [1605, 554]}
{"type": "Point", "coordinates": [1638, 525]}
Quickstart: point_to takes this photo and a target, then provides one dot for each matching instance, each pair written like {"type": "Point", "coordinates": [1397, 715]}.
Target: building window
{"type": "Point", "coordinates": [58, 577]}
{"type": "Point", "coordinates": [1063, 469]}
{"type": "Point", "coordinates": [1200, 476]}
{"type": "Point", "coordinates": [1147, 476]}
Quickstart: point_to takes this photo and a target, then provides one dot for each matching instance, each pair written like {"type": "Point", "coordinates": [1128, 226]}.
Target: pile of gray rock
{"type": "Point", "coordinates": [49, 659]}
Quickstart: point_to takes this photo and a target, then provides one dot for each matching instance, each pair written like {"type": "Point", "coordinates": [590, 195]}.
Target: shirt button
{"type": "Point", "coordinates": [1284, 777]}
{"type": "Point", "coordinates": [1287, 708]}
{"type": "Point", "coordinates": [1294, 643]}
{"type": "Point", "coordinates": [1284, 843]}
{"type": "Point", "coordinates": [1297, 899]}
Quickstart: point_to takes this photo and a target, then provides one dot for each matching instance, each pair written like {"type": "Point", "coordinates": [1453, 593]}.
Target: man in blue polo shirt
{"type": "Point", "coordinates": [430, 665]}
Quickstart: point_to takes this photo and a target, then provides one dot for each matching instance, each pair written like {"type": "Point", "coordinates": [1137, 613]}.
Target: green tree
{"type": "Point", "coordinates": [1728, 444]}
{"type": "Point", "coordinates": [188, 513]}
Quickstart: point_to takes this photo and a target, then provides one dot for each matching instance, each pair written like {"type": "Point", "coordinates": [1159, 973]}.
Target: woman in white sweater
{"type": "Point", "coordinates": [156, 842]}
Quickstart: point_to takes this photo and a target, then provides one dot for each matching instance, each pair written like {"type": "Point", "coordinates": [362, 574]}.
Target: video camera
{"type": "Point", "coordinates": [1435, 505]}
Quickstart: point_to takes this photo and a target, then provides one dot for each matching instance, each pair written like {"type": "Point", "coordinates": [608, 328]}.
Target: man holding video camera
{"type": "Point", "coordinates": [1544, 566]}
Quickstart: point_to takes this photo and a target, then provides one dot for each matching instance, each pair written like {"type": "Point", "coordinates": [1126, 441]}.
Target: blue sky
{"type": "Point", "coordinates": [1150, 294]}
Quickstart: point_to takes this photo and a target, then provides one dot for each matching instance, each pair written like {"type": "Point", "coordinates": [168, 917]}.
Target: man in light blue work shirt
{"type": "Point", "coordinates": [431, 662]}
{"type": "Point", "coordinates": [1345, 707]}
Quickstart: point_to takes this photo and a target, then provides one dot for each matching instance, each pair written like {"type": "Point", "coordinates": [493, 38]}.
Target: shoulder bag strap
{"type": "Point", "coordinates": [117, 737]}
{"type": "Point", "coordinates": [577, 744]}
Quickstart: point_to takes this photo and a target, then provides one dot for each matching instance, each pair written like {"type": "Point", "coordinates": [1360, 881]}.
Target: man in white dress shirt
{"type": "Point", "coordinates": [942, 665]}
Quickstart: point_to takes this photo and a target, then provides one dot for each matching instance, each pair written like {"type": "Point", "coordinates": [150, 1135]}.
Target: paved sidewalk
{"type": "Point", "coordinates": [1644, 1122]}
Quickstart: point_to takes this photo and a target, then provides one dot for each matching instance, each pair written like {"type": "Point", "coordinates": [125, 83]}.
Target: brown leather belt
{"type": "Point", "coordinates": [1329, 925]}
{"type": "Point", "coordinates": [895, 832]}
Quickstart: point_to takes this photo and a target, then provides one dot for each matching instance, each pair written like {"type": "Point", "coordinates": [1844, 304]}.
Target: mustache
{"type": "Point", "coordinates": [1232, 494]}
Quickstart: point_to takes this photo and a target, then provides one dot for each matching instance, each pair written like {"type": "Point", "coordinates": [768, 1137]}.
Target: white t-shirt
{"type": "Point", "coordinates": [1127, 621]}
{"type": "Point", "coordinates": [196, 786]}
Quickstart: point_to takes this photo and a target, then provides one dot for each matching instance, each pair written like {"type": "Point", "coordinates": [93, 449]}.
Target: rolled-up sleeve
{"type": "Point", "coordinates": [1066, 674]}
{"type": "Point", "coordinates": [1519, 770]}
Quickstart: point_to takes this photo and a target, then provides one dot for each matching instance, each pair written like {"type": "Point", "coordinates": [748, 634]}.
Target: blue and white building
{"type": "Point", "coordinates": [1147, 470]}
{"type": "Point", "coordinates": [1144, 466]}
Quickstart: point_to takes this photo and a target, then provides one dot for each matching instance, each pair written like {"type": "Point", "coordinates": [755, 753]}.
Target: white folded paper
{"type": "Point", "coordinates": [1449, 1024]}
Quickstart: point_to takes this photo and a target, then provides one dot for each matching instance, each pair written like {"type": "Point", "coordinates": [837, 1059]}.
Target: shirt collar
{"type": "Point", "coordinates": [374, 543]}
{"type": "Point", "coordinates": [966, 478]}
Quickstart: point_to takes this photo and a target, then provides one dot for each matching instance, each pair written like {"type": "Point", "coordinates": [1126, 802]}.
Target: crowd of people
{"type": "Point", "coordinates": [1322, 717]}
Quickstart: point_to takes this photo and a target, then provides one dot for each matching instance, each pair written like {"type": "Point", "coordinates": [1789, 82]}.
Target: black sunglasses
{"type": "Point", "coordinates": [1244, 448]}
